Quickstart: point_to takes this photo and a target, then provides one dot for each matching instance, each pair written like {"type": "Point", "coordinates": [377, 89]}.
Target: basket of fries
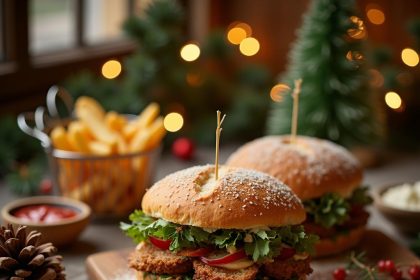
{"type": "Point", "coordinates": [102, 158]}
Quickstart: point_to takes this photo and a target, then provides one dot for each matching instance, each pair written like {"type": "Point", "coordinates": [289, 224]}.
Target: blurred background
{"type": "Point", "coordinates": [359, 65]}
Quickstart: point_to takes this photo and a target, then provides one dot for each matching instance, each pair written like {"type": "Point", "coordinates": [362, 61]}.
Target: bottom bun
{"type": "Point", "coordinates": [331, 246]}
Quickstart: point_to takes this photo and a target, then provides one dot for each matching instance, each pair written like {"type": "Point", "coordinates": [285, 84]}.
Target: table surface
{"type": "Point", "coordinates": [102, 236]}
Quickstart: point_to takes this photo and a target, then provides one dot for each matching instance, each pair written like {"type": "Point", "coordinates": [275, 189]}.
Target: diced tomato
{"type": "Point", "coordinates": [195, 252]}
{"type": "Point", "coordinates": [160, 243]}
{"type": "Point", "coordinates": [286, 253]}
{"type": "Point", "coordinates": [225, 259]}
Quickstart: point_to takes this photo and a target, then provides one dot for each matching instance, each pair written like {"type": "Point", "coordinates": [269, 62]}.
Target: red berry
{"type": "Point", "coordinates": [381, 265]}
{"type": "Point", "coordinates": [396, 274]}
{"type": "Point", "coordinates": [389, 265]}
{"type": "Point", "coordinates": [183, 148]}
{"type": "Point", "coordinates": [46, 186]}
{"type": "Point", "coordinates": [339, 274]}
{"type": "Point", "coordinates": [414, 272]}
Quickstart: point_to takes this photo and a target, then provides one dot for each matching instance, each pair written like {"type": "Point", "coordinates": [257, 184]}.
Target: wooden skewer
{"type": "Point", "coordinates": [218, 131]}
{"type": "Point", "coordinates": [295, 95]}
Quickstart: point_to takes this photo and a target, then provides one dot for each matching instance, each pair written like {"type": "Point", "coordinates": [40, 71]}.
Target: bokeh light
{"type": "Point", "coordinates": [393, 100]}
{"type": "Point", "coordinates": [111, 69]}
{"type": "Point", "coordinates": [236, 35]}
{"type": "Point", "coordinates": [190, 52]}
{"type": "Point", "coordinates": [410, 57]}
{"type": "Point", "coordinates": [249, 46]}
{"type": "Point", "coordinates": [375, 16]}
{"type": "Point", "coordinates": [278, 91]}
{"type": "Point", "coordinates": [173, 122]}
{"type": "Point", "coordinates": [245, 27]}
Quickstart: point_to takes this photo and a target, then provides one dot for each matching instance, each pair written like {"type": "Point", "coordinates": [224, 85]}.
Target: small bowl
{"type": "Point", "coordinates": [60, 233]}
{"type": "Point", "coordinates": [406, 221]}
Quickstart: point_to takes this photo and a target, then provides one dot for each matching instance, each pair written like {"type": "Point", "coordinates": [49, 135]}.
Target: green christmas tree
{"type": "Point", "coordinates": [335, 102]}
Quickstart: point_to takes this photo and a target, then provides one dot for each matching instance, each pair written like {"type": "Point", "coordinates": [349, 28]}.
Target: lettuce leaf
{"type": "Point", "coordinates": [360, 196]}
{"type": "Point", "coordinates": [332, 209]}
{"type": "Point", "coordinates": [258, 243]}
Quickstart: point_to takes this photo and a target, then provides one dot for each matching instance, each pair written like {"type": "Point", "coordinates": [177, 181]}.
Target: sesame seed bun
{"type": "Point", "coordinates": [239, 199]}
{"type": "Point", "coordinates": [340, 243]}
{"type": "Point", "coordinates": [312, 167]}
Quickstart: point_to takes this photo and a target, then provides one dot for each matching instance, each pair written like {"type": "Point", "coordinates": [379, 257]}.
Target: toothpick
{"type": "Point", "coordinates": [218, 131]}
{"type": "Point", "coordinates": [295, 95]}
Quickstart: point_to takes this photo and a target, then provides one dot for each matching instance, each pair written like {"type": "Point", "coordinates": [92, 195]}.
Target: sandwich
{"type": "Point", "coordinates": [324, 175]}
{"type": "Point", "coordinates": [244, 225]}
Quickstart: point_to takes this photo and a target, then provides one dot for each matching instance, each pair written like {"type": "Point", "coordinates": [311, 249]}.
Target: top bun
{"type": "Point", "coordinates": [239, 199]}
{"type": "Point", "coordinates": [312, 167]}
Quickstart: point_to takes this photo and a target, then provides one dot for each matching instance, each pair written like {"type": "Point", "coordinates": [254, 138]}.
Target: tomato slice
{"type": "Point", "coordinates": [286, 253]}
{"type": "Point", "coordinates": [225, 259]}
{"type": "Point", "coordinates": [195, 252]}
{"type": "Point", "coordinates": [160, 243]}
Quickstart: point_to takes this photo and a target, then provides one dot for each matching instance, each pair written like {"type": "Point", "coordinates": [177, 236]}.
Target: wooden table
{"type": "Point", "coordinates": [100, 237]}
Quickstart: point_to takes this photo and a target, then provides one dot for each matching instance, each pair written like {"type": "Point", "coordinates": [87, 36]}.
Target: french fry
{"type": "Point", "coordinates": [146, 117]}
{"type": "Point", "coordinates": [97, 127]}
{"type": "Point", "coordinates": [84, 129]}
{"type": "Point", "coordinates": [100, 148]}
{"type": "Point", "coordinates": [59, 139]}
{"type": "Point", "coordinates": [77, 138]}
{"type": "Point", "coordinates": [158, 131]}
{"type": "Point", "coordinates": [91, 104]}
{"type": "Point", "coordinates": [115, 121]}
{"type": "Point", "coordinates": [148, 137]}
{"type": "Point", "coordinates": [122, 147]}
{"type": "Point", "coordinates": [129, 130]}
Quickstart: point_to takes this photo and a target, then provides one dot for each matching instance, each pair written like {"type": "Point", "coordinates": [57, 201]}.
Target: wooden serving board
{"type": "Point", "coordinates": [112, 265]}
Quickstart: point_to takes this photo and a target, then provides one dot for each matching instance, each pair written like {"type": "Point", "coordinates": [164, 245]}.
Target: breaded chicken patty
{"type": "Point", "coordinates": [151, 259]}
{"type": "Point", "coordinates": [286, 269]}
{"type": "Point", "coordinates": [206, 272]}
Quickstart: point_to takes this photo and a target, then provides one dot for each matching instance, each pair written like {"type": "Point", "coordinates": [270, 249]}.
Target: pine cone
{"type": "Point", "coordinates": [21, 257]}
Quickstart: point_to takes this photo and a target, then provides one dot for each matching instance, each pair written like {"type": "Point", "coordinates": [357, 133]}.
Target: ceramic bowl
{"type": "Point", "coordinates": [406, 221]}
{"type": "Point", "coordinates": [60, 233]}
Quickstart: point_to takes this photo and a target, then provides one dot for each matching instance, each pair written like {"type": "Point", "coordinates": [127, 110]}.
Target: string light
{"type": "Point", "coordinates": [375, 16]}
{"type": "Point", "coordinates": [360, 31]}
{"type": "Point", "coordinates": [393, 100]}
{"type": "Point", "coordinates": [249, 46]}
{"type": "Point", "coordinates": [111, 69]}
{"type": "Point", "coordinates": [410, 57]}
{"type": "Point", "coordinates": [173, 122]}
{"type": "Point", "coordinates": [278, 91]}
{"type": "Point", "coordinates": [354, 55]}
{"type": "Point", "coordinates": [190, 52]}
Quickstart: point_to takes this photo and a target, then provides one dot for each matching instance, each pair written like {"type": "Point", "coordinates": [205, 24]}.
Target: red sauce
{"type": "Point", "coordinates": [44, 213]}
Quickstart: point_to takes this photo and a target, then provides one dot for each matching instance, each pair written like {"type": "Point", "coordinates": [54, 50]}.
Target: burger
{"type": "Point", "coordinates": [244, 225]}
{"type": "Point", "coordinates": [325, 176]}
